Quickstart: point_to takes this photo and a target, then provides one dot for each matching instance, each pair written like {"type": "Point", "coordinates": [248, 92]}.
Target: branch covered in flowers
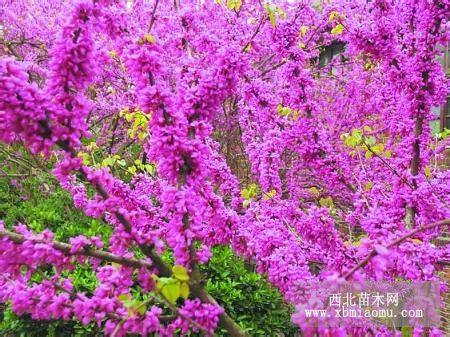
{"type": "Point", "coordinates": [75, 249]}
{"type": "Point", "coordinates": [383, 250]}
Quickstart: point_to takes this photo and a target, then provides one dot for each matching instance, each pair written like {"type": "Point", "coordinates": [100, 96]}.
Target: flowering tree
{"type": "Point", "coordinates": [248, 135]}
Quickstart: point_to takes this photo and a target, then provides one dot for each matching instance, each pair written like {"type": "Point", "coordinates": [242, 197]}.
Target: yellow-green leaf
{"type": "Point", "coordinates": [283, 110]}
{"type": "Point", "coordinates": [333, 15]}
{"type": "Point", "coordinates": [124, 297]}
{"type": "Point", "coordinates": [378, 148]}
{"type": "Point", "coordinates": [314, 191]}
{"type": "Point", "coordinates": [427, 171]}
{"type": "Point", "coordinates": [109, 161]}
{"type": "Point", "coordinates": [270, 194]}
{"type": "Point", "coordinates": [234, 4]}
{"type": "Point", "coordinates": [184, 290]}
{"type": "Point", "coordinates": [272, 18]}
{"type": "Point", "coordinates": [369, 65]}
{"type": "Point", "coordinates": [126, 300]}
{"type": "Point", "coordinates": [141, 308]}
{"type": "Point", "coordinates": [338, 29]}
{"type": "Point", "coordinates": [368, 186]}
{"type": "Point", "coordinates": [149, 38]}
{"type": "Point", "coordinates": [149, 168]}
{"type": "Point", "coordinates": [303, 30]}
{"type": "Point", "coordinates": [371, 140]}
{"type": "Point", "coordinates": [85, 157]}
{"type": "Point", "coordinates": [250, 192]}
{"type": "Point", "coordinates": [180, 273]}
{"type": "Point", "coordinates": [326, 202]}
{"type": "Point", "coordinates": [171, 291]}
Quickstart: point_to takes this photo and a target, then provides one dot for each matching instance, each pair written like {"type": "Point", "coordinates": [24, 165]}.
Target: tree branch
{"type": "Point", "coordinates": [374, 253]}
{"type": "Point", "coordinates": [85, 251]}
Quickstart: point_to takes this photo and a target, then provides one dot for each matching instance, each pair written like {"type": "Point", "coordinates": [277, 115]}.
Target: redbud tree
{"type": "Point", "coordinates": [294, 132]}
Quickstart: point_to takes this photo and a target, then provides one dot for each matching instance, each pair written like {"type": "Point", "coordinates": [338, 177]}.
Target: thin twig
{"type": "Point", "coordinates": [396, 242]}
{"type": "Point", "coordinates": [152, 21]}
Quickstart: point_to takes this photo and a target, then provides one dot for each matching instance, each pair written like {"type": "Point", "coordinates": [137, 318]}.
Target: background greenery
{"type": "Point", "coordinates": [30, 195]}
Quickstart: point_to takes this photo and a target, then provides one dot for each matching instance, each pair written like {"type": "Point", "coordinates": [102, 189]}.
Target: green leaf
{"type": "Point", "coordinates": [122, 162]}
{"type": "Point", "coordinates": [303, 30]}
{"type": "Point", "coordinates": [357, 134]}
{"type": "Point", "coordinates": [368, 154]}
{"type": "Point", "coordinates": [368, 186]}
{"type": "Point", "coordinates": [378, 148]}
{"type": "Point", "coordinates": [234, 4]}
{"type": "Point", "coordinates": [351, 141]}
{"type": "Point", "coordinates": [140, 308]}
{"type": "Point", "coordinates": [108, 162]}
{"type": "Point", "coordinates": [250, 192]}
{"type": "Point", "coordinates": [162, 281]}
{"type": "Point", "coordinates": [326, 202]}
{"type": "Point", "coordinates": [124, 297]}
{"type": "Point", "coordinates": [354, 139]}
{"type": "Point", "coordinates": [444, 134]}
{"type": "Point", "coordinates": [184, 290]}
{"type": "Point", "coordinates": [245, 194]}
{"type": "Point", "coordinates": [270, 194]}
{"type": "Point", "coordinates": [333, 15]}
{"type": "Point", "coordinates": [272, 17]}
{"type": "Point", "coordinates": [338, 29]}
{"type": "Point", "coordinates": [85, 157]}
{"type": "Point", "coordinates": [149, 168]}
{"type": "Point", "coordinates": [171, 290]}
{"type": "Point", "coordinates": [274, 12]}
{"type": "Point", "coordinates": [180, 273]}
{"type": "Point", "coordinates": [371, 141]}
{"type": "Point", "coordinates": [150, 38]}
{"type": "Point", "coordinates": [314, 191]}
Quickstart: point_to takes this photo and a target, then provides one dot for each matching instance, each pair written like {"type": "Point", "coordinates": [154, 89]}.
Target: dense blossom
{"type": "Point", "coordinates": [297, 133]}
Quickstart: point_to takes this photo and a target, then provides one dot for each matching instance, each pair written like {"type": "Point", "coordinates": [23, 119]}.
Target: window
{"type": "Point", "coordinates": [446, 59]}
{"type": "Point", "coordinates": [445, 115]}
{"type": "Point", "coordinates": [445, 109]}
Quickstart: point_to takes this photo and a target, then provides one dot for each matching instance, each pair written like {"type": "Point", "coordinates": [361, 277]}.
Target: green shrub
{"type": "Point", "coordinates": [246, 296]}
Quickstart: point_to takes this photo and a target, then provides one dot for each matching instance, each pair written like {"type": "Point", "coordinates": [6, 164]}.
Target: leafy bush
{"type": "Point", "coordinates": [246, 296]}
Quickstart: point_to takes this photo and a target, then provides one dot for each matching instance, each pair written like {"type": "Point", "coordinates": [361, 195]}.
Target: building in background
{"type": "Point", "coordinates": [445, 109]}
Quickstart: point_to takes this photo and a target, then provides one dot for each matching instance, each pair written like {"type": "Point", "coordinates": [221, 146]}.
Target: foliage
{"type": "Point", "coordinates": [257, 306]}
{"type": "Point", "coordinates": [246, 295]}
